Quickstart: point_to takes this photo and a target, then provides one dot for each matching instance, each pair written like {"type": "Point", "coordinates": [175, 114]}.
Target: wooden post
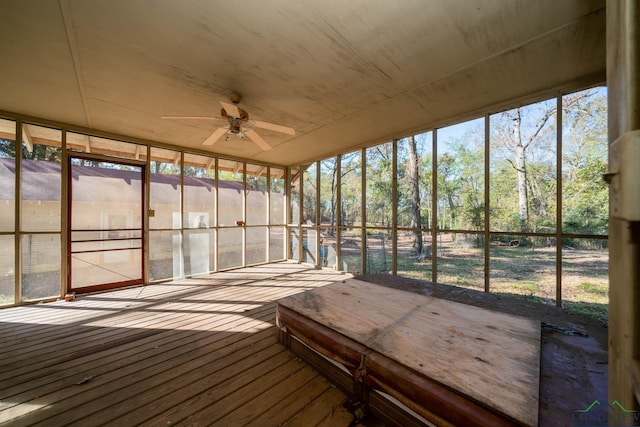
{"type": "Point", "coordinates": [623, 75]}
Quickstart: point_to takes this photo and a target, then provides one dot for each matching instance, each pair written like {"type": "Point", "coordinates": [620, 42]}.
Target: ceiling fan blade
{"type": "Point", "coordinates": [231, 109]}
{"type": "Point", "coordinates": [215, 136]}
{"type": "Point", "coordinates": [258, 140]}
{"type": "Point", "coordinates": [277, 128]}
{"type": "Point", "coordinates": [188, 118]}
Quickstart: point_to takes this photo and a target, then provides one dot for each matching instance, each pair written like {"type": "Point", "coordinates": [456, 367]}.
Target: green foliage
{"type": "Point", "coordinates": [7, 148]}
{"type": "Point", "coordinates": [35, 152]}
{"type": "Point", "coordinates": [328, 191]}
{"type": "Point", "coordinates": [42, 152]}
{"type": "Point", "coordinates": [461, 183]}
{"type": "Point", "coordinates": [379, 185]}
{"type": "Point", "coordinates": [309, 194]}
{"type": "Point", "coordinates": [585, 159]}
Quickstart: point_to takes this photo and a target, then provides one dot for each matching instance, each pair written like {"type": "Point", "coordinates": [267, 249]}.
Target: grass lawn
{"type": "Point", "coordinates": [524, 272]}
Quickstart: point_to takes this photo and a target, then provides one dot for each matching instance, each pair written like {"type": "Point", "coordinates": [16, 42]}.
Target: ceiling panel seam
{"type": "Point", "coordinates": [73, 48]}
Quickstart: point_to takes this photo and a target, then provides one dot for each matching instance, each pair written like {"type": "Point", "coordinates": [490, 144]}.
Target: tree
{"type": "Point", "coordinates": [512, 136]}
{"type": "Point", "coordinates": [525, 138]}
{"type": "Point", "coordinates": [414, 179]}
{"type": "Point", "coordinates": [460, 178]}
{"type": "Point", "coordinates": [585, 194]}
{"type": "Point", "coordinates": [379, 183]}
{"type": "Point", "coordinates": [309, 194]}
{"type": "Point", "coordinates": [328, 187]}
{"type": "Point", "coordinates": [350, 194]}
{"type": "Point", "coordinates": [448, 190]}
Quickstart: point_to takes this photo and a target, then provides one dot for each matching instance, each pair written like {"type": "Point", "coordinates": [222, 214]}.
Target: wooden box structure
{"type": "Point", "coordinates": [412, 358]}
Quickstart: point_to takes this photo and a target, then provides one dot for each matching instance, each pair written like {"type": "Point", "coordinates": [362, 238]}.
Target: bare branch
{"type": "Point", "coordinates": [513, 165]}
{"type": "Point", "coordinates": [541, 123]}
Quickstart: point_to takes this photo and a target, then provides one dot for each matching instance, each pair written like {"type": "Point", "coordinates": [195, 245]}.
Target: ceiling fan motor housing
{"type": "Point", "coordinates": [244, 116]}
{"type": "Point", "coordinates": [234, 127]}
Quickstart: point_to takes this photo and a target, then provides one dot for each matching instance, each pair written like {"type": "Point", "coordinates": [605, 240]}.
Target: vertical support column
{"type": "Point", "coordinates": [394, 209]}
{"type": "Point", "coordinates": [244, 214]}
{"type": "Point", "coordinates": [300, 214]}
{"type": "Point", "coordinates": [623, 77]}
{"type": "Point", "coordinates": [434, 208]}
{"type": "Point", "coordinates": [268, 216]}
{"type": "Point", "coordinates": [64, 215]}
{"type": "Point", "coordinates": [217, 215]}
{"type": "Point", "coordinates": [487, 201]}
{"type": "Point", "coordinates": [17, 296]}
{"type": "Point", "coordinates": [287, 211]}
{"type": "Point", "coordinates": [182, 215]}
{"type": "Point", "coordinates": [363, 211]}
{"type": "Point", "coordinates": [559, 202]}
{"type": "Point", "coordinates": [316, 223]}
{"type": "Point", "coordinates": [339, 212]}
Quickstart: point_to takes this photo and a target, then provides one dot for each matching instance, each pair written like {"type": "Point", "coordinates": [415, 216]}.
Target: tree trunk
{"type": "Point", "coordinates": [414, 178]}
{"type": "Point", "coordinates": [334, 176]}
{"type": "Point", "coordinates": [521, 169]}
{"type": "Point", "coordinates": [523, 195]}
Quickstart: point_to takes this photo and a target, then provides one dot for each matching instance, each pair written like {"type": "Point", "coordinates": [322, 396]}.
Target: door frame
{"type": "Point", "coordinates": [143, 189]}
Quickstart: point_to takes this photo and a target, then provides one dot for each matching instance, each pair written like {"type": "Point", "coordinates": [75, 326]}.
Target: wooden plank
{"type": "Point", "coordinates": [492, 358]}
{"type": "Point", "coordinates": [284, 401]}
{"type": "Point", "coordinates": [223, 375]}
{"type": "Point", "coordinates": [126, 355]}
{"type": "Point", "coordinates": [140, 353]}
{"type": "Point", "coordinates": [186, 319]}
{"type": "Point", "coordinates": [207, 406]}
{"type": "Point", "coordinates": [194, 324]}
{"type": "Point", "coordinates": [45, 318]}
{"type": "Point", "coordinates": [122, 362]}
{"type": "Point", "coordinates": [317, 410]}
{"type": "Point", "coordinates": [247, 414]}
{"type": "Point", "coordinates": [339, 416]}
{"type": "Point", "coordinates": [117, 382]}
{"type": "Point", "coordinates": [201, 322]}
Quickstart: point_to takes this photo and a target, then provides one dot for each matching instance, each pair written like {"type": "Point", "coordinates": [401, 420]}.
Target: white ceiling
{"type": "Point", "coordinates": [344, 74]}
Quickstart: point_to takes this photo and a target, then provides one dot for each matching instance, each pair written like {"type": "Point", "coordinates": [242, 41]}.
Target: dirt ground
{"type": "Point", "coordinates": [573, 365]}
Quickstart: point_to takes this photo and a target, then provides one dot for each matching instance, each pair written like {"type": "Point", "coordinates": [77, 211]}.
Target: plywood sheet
{"type": "Point", "coordinates": [492, 358]}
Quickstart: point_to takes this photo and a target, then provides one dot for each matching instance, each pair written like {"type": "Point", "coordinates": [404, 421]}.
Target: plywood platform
{"type": "Point", "coordinates": [449, 362]}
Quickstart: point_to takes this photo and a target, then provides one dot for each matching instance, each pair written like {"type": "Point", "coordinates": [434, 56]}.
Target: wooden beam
{"type": "Point", "coordinates": [26, 137]}
{"type": "Point", "coordinates": [623, 78]}
{"type": "Point", "coordinates": [210, 164]}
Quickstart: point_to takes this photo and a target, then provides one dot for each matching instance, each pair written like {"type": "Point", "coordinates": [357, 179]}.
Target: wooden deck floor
{"type": "Point", "coordinates": [192, 352]}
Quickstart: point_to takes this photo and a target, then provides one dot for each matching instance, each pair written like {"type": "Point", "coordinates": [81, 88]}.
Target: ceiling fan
{"type": "Point", "coordinates": [239, 124]}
